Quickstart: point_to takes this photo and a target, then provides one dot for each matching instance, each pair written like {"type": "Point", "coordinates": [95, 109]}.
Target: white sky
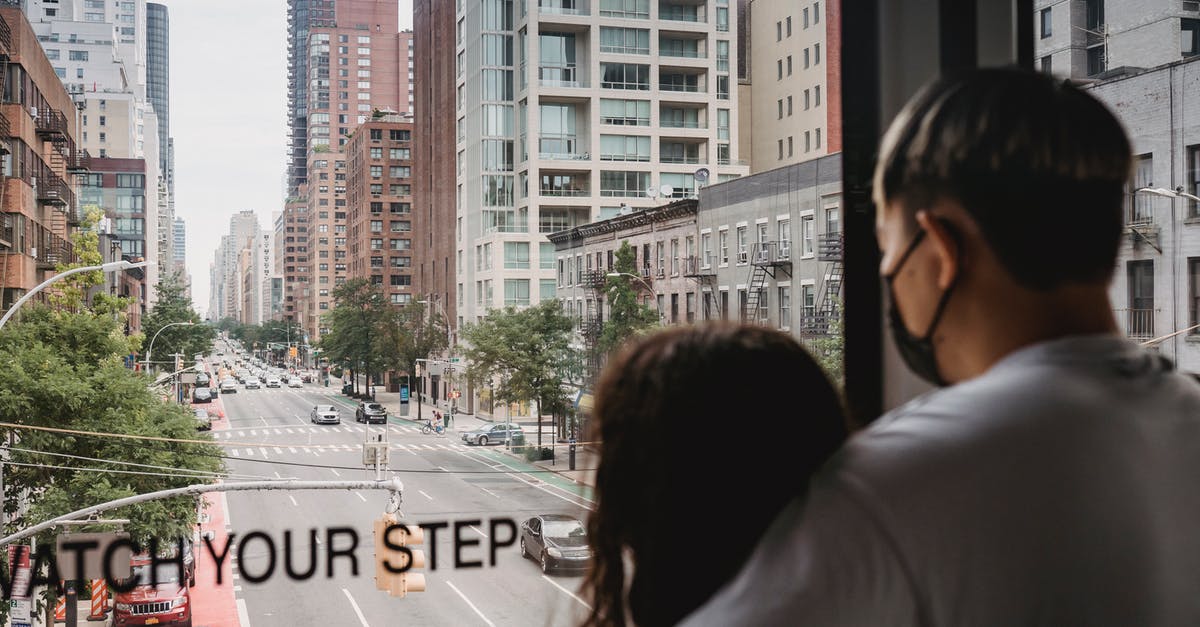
{"type": "Point", "coordinates": [229, 118]}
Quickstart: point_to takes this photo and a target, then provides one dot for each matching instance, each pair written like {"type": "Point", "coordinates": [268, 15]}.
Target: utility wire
{"type": "Point", "coordinates": [112, 470]}
{"type": "Point", "coordinates": [151, 466]}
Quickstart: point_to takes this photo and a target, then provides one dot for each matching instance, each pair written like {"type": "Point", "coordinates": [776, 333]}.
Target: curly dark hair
{"type": "Point", "coordinates": [690, 420]}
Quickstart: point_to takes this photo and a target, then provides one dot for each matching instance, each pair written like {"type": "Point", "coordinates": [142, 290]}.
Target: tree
{"type": "Point", "coordinates": [828, 350]}
{"type": "Point", "coordinates": [173, 306]}
{"type": "Point", "coordinates": [355, 322]}
{"type": "Point", "coordinates": [524, 354]}
{"type": "Point", "coordinates": [410, 333]}
{"type": "Point", "coordinates": [627, 317]}
{"type": "Point", "coordinates": [64, 370]}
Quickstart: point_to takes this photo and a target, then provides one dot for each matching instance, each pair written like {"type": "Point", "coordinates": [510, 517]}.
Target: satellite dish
{"type": "Point", "coordinates": [701, 175]}
{"type": "Point", "coordinates": [667, 191]}
{"type": "Point", "coordinates": [652, 191]}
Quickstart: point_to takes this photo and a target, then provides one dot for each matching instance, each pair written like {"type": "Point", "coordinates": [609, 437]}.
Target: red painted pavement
{"type": "Point", "coordinates": [213, 605]}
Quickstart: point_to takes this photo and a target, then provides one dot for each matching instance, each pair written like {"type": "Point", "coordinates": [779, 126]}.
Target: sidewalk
{"type": "Point", "coordinates": [585, 459]}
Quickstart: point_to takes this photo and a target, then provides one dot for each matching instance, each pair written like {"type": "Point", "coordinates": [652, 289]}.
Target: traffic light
{"type": "Point", "coordinates": [394, 561]}
{"type": "Point", "coordinates": [291, 351]}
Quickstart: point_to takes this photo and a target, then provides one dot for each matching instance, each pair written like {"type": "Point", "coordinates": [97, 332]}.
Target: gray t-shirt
{"type": "Point", "coordinates": [1062, 487]}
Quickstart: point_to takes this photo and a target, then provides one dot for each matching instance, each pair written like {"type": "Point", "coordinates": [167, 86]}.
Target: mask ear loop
{"type": "Point", "coordinates": [945, 299]}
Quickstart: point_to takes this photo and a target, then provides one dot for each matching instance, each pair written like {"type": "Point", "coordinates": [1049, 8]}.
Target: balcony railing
{"type": "Point", "coordinates": [771, 253]}
{"type": "Point", "coordinates": [677, 159]}
{"type": "Point", "coordinates": [670, 123]}
{"type": "Point", "coordinates": [593, 279]}
{"type": "Point", "coordinates": [684, 54]}
{"type": "Point", "coordinates": [678, 87]}
{"type": "Point", "coordinates": [5, 37]}
{"type": "Point", "coordinates": [681, 13]}
{"type": "Point", "coordinates": [559, 192]}
{"type": "Point", "coordinates": [1139, 212]}
{"type": "Point", "coordinates": [54, 250]}
{"type": "Point", "coordinates": [695, 266]}
{"type": "Point", "coordinates": [50, 122]}
{"type": "Point", "coordinates": [560, 76]}
{"type": "Point", "coordinates": [829, 247]}
{"type": "Point", "coordinates": [52, 190]}
{"type": "Point", "coordinates": [1138, 324]}
{"type": "Point", "coordinates": [549, 8]}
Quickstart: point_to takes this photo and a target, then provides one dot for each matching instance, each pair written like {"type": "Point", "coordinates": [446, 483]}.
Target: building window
{"type": "Point", "coordinates": [806, 236]}
{"type": "Point", "coordinates": [743, 254]}
{"type": "Point", "coordinates": [785, 306]}
{"type": "Point", "coordinates": [1140, 318]}
{"type": "Point", "coordinates": [1189, 37]}
{"type": "Point", "coordinates": [516, 255]}
{"type": "Point", "coordinates": [1046, 65]}
{"type": "Point", "coordinates": [1139, 207]}
{"type": "Point", "coordinates": [1192, 182]}
{"type": "Point", "coordinates": [1194, 294]}
{"type": "Point", "coordinates": [1045, 21]}
{"type": "Point", "coordinates": [723, 245]}
{"type": "Point", "coordinates": [516, 292]}
{"type": "Point", "coordinates": [788, 23]}
{"type": "Point", "coordinates": [808, 303]}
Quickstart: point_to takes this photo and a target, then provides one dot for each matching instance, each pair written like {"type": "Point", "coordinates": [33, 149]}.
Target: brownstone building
{"type": "Point", "coordinates": [38, 208]}
{"type": "Point", "coordinates": [379, 194]}
{"type": "Point", "coordinates": [434, 162]}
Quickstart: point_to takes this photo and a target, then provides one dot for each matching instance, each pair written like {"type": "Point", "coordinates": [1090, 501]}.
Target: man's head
{"type": "Point", "coordinates": [1013, 181]}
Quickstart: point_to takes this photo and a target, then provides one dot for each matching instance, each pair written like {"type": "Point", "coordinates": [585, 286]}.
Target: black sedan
{"type": "Point", "coordinates": [557, 542]}
{"type": "Point", "coordinates": [202, 395]}
{"type": "Point", "coordinates": [370, 412]}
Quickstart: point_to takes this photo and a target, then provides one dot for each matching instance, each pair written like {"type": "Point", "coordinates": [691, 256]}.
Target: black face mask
{"type": "Point", "coordinates": [917, 352]}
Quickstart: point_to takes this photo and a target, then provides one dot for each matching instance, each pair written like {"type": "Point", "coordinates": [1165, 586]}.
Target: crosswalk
{"type": "Point", "coordinates": [230, 434]}
{"type": "Point", "coordinates": [265, 452]}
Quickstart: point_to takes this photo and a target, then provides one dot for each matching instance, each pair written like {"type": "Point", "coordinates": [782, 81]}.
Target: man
{"type": "Point", "coordinates": [1055, 481]}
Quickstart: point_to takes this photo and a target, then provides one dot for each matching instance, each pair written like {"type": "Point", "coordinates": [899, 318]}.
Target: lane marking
{"type": "Point", "coordinates": [364, 499]}
{"type": "Point", "coordinates": [236, 453]}
{"type": "Point", "coordinates": [243, 615]}
{"type": "Point", "coordinates": [489, 491]}
{"type": "Point", "coordinates": [425, 495]}
{"type": "Point", "coordinates": [253, 432]}
{"type": "Point", "coordinates": [279, 432]}
{"type": "Point", "coordinates": [265, 423]}
{"type": "Point", "coordinates": [476, 529]}
{"type": "Point", "coordinates": [358, 612]}
{"type": "Point", "coordinates": [293, 500]}
{"type": "Point", "coordinates": [278, 451]}
{"type": "Point", "coordinates": [468, 601]}
{"type": "Point", "coordinates": [335, 472]}
{"type": "Point", "coordinates": [250, 452]}
{"type": "Point", "coordinates": [264, 451]}
{"type": "Point", "coordinates": [567, 592]}
{"type": "Point", "coordinates": [291, 449]}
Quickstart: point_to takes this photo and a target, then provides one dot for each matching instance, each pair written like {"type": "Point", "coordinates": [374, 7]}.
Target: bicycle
{"type": "Point", "coordinates": [429, 428]}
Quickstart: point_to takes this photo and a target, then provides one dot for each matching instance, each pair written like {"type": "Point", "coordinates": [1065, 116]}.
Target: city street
{"type": "Point", "coordinates": [270, 435]}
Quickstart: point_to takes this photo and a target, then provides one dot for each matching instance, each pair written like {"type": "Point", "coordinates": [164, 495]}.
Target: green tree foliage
{"type": "Point", "coordinates": [272, 335]}
{"type": "Point", "coordinates": [829, 352]}
{"type": "Point", "coordinates": [524, 354]}
{"type": "Point", "coordinates": [414, 331]}
{"type": "Point", "coordinates": [627, 317]}
{"type": "Point", "coordinates": [355, 326]}
{"type": "Point", "coordinates": [174, 306]}
{"type": "Point", "coordinates": [64, 370]}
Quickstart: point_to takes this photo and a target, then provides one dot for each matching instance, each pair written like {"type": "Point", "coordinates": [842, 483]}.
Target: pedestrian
{"type": "Point", "coordinates": [677, 468]}
{"type": "Point", "coordinates": [1051, 479]}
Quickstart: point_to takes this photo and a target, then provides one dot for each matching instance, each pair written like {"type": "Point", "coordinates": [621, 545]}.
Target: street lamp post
{"type": "Point", "coordinates": [111, 266]}
{"type": "Point", "coordinates": [150, 349]}
{"type": "Point", "coordinates": [648, 286]}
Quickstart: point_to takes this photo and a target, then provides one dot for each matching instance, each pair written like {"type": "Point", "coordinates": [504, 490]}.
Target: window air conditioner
{"type": "Point", "coordinates": [743, 257]}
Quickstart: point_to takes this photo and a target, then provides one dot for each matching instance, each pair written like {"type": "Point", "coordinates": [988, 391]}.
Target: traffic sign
{"type": "Point", "coordinates": [454, 360]}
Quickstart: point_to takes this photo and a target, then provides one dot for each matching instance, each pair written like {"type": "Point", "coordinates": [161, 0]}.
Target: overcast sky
{"type": "Point", "coordinates": [229, 118]}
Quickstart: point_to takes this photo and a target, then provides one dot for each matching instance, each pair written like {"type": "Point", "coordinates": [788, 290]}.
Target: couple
{"type": "Point", "coordinates": [1053, 479]}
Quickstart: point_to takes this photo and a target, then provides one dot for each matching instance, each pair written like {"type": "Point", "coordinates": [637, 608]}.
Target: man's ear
{"type": "Point", "coordinates": [946, 245]}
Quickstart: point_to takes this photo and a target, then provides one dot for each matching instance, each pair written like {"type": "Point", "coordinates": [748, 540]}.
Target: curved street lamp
{"type": "Point", "coordinates": [111, 266]}
{"type": "Point", "coordinates": [151, 348]}
{"type": "Point", "coordinates": [644, 282]}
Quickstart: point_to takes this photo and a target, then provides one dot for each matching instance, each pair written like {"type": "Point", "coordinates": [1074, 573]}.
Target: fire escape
{"type": "Point", "coordinates": [592, 323]}
{"type": "Point", "coordinates": [767, 259]}
{"type": "Point", "coordinates": [5, 126]}
{"type": "Point", "coordinates": [701, 271]}
{"type": "Point", "coordinates": [827, 309]}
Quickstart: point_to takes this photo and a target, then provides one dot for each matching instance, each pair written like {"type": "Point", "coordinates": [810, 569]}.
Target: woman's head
{"type": "Point", "coordinates": [693, 421]}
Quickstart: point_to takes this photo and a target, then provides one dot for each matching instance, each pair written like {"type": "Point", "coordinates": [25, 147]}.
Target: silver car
{"type": "Point", "coordinates": [325, 414]}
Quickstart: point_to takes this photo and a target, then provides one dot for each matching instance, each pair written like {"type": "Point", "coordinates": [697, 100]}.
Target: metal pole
{"type": "Point", "coordinates": [393, 485]}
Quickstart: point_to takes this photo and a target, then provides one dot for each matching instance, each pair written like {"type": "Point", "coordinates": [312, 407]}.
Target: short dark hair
{"type": "Point", "coordinates": [1032, 159]}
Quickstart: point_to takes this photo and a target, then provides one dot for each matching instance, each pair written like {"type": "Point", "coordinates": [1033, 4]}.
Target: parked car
{"type": "Point", "coordinates": [252, 383]}
{"type": "Point", "coordinates": [325, 414]}
{"type": "Point", "coordinates": [202, 379]}
{"type": "Point", "coordinates": [557, 542]}
{"type": "Point", "coordinates": [295, 382]}
{"type": "Point", "coordinates": [228, 386]}
{"type": "Point", "coordinates": [202, 395]}
{"type": "Point", "coordinates": [203, 420]}
{"type": "Point", "coordinates": [167, 603]}
{"type": "Point", "coordinates": [273, 382]}
{"type": "Point", "coordinates": [489, 434]}
{"type": "Point", "coordinates": [370, 412]}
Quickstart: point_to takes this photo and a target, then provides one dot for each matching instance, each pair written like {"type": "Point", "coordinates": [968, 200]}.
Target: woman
{"type": "Point", "coordinates": [692, 422]}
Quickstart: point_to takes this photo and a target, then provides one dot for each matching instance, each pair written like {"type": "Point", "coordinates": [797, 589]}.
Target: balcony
{"type": "Point", "coordinates": [1137, 324]}
{"type": "Point", "coordinates": [51, 123]}
{"type": "Point", "coordinates": [682, 13]}
{"type": "Point", "coordinates": [564, 186]}
{"type": "Point", "coordinates": [830, 247]}
{"type": "Point", "coordinates": [566, 75]}
{"type": "Point", "coordinates": [52, 190]}
{"type": "Point", "coordinates": [53, 252]}
{"type": "Point", "coordinates": [698, 267]}
{"type": "Point", "coordinates": [771, 253]}
{"type": "Point", "coordinates": [560, 147]}
{"type": "Point", "coordinates": [5, 37]}
{"type": "Point", "coordinates": [79, 161]}
{"type": "Point", "coordinates": [562, 7]}
{"type": "Point", "coordinates": [593, 279]}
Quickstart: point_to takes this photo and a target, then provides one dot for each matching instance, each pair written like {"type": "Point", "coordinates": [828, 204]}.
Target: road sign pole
{"type": "Point", "coordinates": [72, 604]}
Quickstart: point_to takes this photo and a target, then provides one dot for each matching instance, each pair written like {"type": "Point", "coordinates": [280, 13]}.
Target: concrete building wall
{"type": "Point", "coordinates": [1161, 113]}
{"type": "Point", "coordinates": [1130, 33]}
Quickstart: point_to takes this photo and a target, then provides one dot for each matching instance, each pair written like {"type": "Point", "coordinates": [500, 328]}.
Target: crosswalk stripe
{"type": "Point", "coordinates": [235, 453]}
{"type": "Point", "coordinates": [264, 451]}
{"type": "Point", "coordinates": [278, 432]}
{"type": "Point", "coordinates": [291, 449]}
{"type": "Point", "coordinates": [250, 452]}
{"type": "Point", "coordinates": [430, 447]}
{"type": "Point", "coordinates": [335, 429]}
{"type": "Point", "coordinates": [278, 451]}
{"type": "Point", "coordinates": [316, 452]}
{"type": "Point", "coordinates": [443, 446]}
{"type": "Point", "coordinates": [289, 431]}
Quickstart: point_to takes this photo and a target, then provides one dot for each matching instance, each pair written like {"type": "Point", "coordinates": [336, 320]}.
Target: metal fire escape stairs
{"type": "Point", "coordinates": [767, 260]}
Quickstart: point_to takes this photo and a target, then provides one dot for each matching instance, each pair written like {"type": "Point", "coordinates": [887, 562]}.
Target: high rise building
{"type": "Point", "coordinates": [241, 272]}
{"type": "Point", "coordinates": [434, 151]}
{"type": "Point", "coordinates": [792, 115]}
{"type": "Point", "coordinates": [179, 250]}
{"type": "Point", "coordinates": [158, 77]}
{"type": "Point", "coordinates": [38, 208]}
{"type": "Point", "coordinates": [379, 198]}
{"type": "Point", "coordinates": [1095, 38]}
{"type": "Point", "coordinates": [356, 63]}
{"type": "Point", "coordinates": [568, 111]}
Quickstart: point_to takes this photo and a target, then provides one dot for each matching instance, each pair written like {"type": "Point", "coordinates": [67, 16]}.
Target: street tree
{"type": "Point", "coordinates": [627, 317]}
{"type": "Point", "coordinates": [63, 370]}
{"type": "Point", "coordinates": [174, 306]}
{"type": "Point", "coordinates": [412, 332]}
{"type": "Point", "coordinates": [360, 310]}
{"type": "Point", "coordinates": [523, 355]}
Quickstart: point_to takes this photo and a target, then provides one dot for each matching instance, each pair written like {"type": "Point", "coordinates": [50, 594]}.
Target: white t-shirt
{"type": "Point", "coordinates": [1062, 487]}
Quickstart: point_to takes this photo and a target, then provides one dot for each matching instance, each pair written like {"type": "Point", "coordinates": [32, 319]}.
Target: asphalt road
{"type": "Point", "coordinates": [445, 481]}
